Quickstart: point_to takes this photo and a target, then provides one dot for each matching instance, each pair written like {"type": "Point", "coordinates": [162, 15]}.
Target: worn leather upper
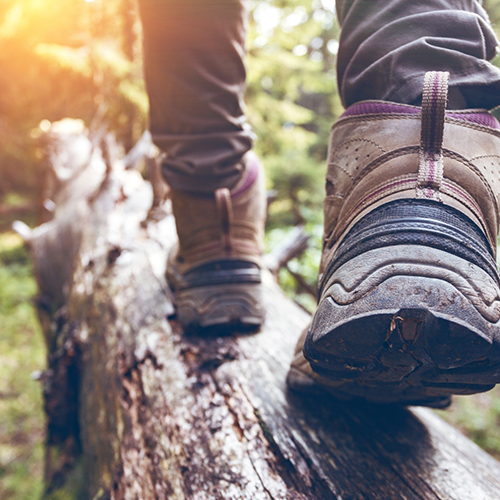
{"type": "Point", "coordinates": [225, 225]}
{"type": "Point", "coordinates": [374, 158]}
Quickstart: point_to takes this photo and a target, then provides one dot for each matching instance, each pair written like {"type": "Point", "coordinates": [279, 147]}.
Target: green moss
{"type": "Point", "coordinates": [73, 488]}
{"type": "Point", "coordinates": [265, 429]}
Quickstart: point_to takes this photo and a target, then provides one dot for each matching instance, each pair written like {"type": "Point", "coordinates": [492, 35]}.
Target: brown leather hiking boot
{"type": "Point", "coordinates": [214, 270]}
{"type": "Point", "coordinates": [409, 303]}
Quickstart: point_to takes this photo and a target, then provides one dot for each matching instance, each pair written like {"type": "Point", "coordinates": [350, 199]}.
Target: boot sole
{"type": "Point", "coordinates": [401, 323]}
{"type": "Point", "coordinates": [224, 293]}
{"type": "Point", "coordinates": [216, 305]}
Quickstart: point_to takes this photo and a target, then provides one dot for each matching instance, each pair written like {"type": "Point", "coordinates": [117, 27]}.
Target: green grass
{"type": "Point", "coordinates": [22, 352]}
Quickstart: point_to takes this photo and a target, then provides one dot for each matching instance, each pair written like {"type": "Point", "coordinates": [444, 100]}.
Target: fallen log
{"type": "Point", "coordinates": [141, 410]}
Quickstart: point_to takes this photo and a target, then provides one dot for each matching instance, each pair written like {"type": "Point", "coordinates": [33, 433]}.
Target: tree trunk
{"type": "Point", "coordinates": [140, 410]}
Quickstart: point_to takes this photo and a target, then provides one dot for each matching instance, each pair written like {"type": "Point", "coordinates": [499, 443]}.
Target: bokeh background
{"type": "Point", "coordinates": [82, 59]}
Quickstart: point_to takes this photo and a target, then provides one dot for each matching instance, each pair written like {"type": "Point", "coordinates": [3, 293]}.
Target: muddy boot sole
{"type": "Point", "coordinates": [219, 294]}
{"type": "Point", "coordinates": [409, 322]}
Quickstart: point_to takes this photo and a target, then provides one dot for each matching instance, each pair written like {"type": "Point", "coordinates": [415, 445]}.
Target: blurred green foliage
{"type": "Point", "coordinates": [83, 59]}
{"type": "Point", "coordinates": [292, 103]}
{"type": "Point", "coordinates": [478, 417]}
{"type": "Point", "coordinates": [292, 99]}
{"type": "Point", "coordinates": [65, 58]}
{"type": "Point", "coordinates": [22, 352]}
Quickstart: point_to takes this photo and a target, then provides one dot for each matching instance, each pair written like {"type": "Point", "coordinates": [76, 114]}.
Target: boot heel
{"type": "Point", "coordinates": [409, 307]}
{"type": "Point", "coordinates": [407, 310]}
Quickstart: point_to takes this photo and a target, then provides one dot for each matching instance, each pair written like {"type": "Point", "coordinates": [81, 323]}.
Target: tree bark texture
{"type": "Point", "coordinates": [152, 413]}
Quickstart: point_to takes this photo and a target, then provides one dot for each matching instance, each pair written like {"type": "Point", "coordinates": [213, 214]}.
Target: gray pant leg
{"type": "Point", "coordinates": [386, 47]}
{"type": "Point", "coordinates": [195, 77]}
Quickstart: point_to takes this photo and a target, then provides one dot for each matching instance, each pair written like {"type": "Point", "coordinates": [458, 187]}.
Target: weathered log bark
{"type": "Point", "coordinates": [155, 413]}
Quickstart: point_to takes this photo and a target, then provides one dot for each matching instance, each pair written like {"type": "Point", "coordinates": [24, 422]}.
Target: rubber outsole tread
{"type": "Point", "coordinates": [403, 322]}
{"type": "Point", "coordinates": [233, 305]}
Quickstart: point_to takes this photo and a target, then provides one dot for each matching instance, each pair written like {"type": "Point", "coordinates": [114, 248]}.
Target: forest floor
{"type": "Point", "coordinates": [22, 356]}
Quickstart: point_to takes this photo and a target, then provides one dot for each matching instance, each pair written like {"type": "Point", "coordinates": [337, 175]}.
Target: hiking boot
{"type": "Point", "coordinates": [215, 269]}
{"type": "Point", "coordinates": [409, 295]}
